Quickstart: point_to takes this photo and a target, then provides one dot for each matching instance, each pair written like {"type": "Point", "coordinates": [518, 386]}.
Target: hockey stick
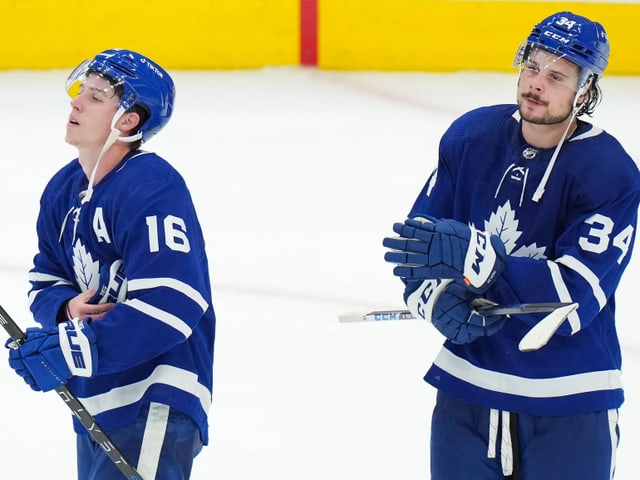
{"type": "Point", "coordinates": [542, 332]}
{"type": "Point", "coordinates": [536, 338]}
{"type": "Point", "coordinates": [485, 310]}
{"type": "Point", "coordinates": [85, 418]}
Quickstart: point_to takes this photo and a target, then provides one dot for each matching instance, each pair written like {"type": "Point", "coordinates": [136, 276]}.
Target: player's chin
{"type": "Point", "coordinates": [533, 115]}
{"type": "Point", "coordinates": [69, 137]}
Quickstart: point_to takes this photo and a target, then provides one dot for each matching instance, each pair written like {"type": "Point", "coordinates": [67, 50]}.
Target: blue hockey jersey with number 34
{"type": "Point", "coordinates": [572, 245]}
{"type": "Point", "coordinates": [157, 344]}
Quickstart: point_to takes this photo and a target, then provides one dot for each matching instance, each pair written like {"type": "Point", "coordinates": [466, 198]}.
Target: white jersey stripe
{"type": "Point", "coordinates": [34, 293]}
{"type": "Point", "coordinates": [166, 374]}
{"type": "Point", "coordinates": [187, 290]}
{"type": "Point", "coordinates": [564, 295]}
{"type": "Point", "coordinates": [528, 387]}
{"type": "Point", "coordinates": [163, 316]}
{"type": "Point", "coordinates": [591, 278]}
{"type": "Point", "coordinates": [45, 277]}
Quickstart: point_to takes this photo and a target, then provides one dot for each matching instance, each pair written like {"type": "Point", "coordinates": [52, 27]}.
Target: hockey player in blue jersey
{"type": "Point", "coordinates": [529, 203]}
{"type": "Point", "coordinates": [120, 282]}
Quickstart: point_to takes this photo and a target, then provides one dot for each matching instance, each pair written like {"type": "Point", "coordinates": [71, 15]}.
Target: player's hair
{"type": "Point", "coordinates": [140, 109]}
{"type": "Point", "coordinates": [592, 99]}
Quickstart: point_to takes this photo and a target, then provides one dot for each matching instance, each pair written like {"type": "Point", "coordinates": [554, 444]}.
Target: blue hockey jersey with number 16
{"type": "Point", "coordinates": [157, 344]}
{"type": "Point", "coordinates": [572, 246]}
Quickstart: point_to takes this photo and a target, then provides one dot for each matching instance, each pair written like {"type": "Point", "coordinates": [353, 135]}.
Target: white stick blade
{"type": "Point", "coordinates": [351, 317]}
{"type": "Point", "coordinates": [542, 332]}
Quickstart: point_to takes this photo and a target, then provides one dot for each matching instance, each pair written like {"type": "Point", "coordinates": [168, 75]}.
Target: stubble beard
{"type": "Point", "coordinates": [545, 119]}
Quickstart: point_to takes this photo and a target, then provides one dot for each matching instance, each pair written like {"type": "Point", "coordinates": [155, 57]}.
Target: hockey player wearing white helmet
{"type": "Point", "coordinates": [529, 203]}
{"type": "Point", "coordinates": [120, 283]}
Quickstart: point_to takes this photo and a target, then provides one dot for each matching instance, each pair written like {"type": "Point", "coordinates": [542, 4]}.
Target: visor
{"type": "Point", "coordinates": [534, 61]}
{"type": "Point", "coordinates": [85, 77]}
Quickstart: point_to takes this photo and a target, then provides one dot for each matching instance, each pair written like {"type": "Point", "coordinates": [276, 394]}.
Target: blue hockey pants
{"type": "Point", "coordinates": [476, 443]}
{"type": "Point", "coordinates": [161, 444]}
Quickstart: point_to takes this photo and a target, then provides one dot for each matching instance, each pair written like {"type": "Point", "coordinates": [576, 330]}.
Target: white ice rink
{"type": "Point", "coordinates": [297, 176]}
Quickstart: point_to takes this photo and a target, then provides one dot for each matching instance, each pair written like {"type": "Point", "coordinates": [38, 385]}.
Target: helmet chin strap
{"type": "Point", "coordinates": [131, 138]}
{"type": "Point", "coordinates": [111, 139]}
{"type": "Point", "coordinates": [537, 195]}
{"type": "Point", "coordinates": [547, 173]}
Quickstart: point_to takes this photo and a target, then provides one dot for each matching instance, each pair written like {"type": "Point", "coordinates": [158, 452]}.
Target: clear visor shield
{"type": "Point", "coordinates": [555, 70]}
{"type": "Point", "coordinates": [82, 79]}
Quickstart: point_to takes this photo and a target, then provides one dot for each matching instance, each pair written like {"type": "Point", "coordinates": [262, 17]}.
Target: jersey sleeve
{"type": "Point", "coordinates": [437, 197]}
{"type": "Point", "coordinates": [51, 280]}
{"type": "Point", "coordinates": [591, 255]}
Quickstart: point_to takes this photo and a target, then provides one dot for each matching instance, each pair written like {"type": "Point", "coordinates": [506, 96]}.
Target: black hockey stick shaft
{"type": "Point", "coordinates": [76, 407]}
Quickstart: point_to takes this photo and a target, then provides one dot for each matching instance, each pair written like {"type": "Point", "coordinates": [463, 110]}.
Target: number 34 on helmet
{"type": "Point", "coordinates": [572, 37]}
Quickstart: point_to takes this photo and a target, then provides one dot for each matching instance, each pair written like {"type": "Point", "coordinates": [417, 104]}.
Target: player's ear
{"type": "Point", "coordinates": [128, 122]}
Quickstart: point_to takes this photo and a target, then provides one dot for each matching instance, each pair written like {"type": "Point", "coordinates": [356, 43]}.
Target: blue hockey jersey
{"type": "Point", "coordinates": [572, 245]}
{"type": "Point", "coordinates": [156, 345]}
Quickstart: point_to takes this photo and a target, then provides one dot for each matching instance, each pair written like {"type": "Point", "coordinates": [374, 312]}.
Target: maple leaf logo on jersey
{"type": "Point", "coordinates": [87, 270]}
{"type": "Point", "coordinates": [503, 222]}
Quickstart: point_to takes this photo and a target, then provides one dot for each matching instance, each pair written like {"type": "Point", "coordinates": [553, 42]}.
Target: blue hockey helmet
{"type": "Point", "coordinates": [573, 37]}
{"type": "Point", "coordinates": [142, 81]}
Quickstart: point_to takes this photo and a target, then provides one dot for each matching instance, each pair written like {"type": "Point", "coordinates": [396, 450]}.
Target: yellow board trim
{"type": "Point", "coordinates": [193, 34]}
{"type": "Point", "coordinates": [455, 35]}
{"type": "Point", "coordinates": [425, 35]}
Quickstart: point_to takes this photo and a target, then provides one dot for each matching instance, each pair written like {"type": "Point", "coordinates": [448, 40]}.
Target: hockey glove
{"type": "Point", "coordinates": [113, 284]}
{"type": "Point", "coordinates": [48, 358]}
{"type": "Point", "coordinates": [448, 306]}
{"type": "Point", "coordinates": [428, 248]}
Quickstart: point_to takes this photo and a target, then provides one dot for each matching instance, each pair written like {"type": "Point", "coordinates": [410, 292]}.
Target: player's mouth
{"type": "Point", "coordinates": [532, 98]}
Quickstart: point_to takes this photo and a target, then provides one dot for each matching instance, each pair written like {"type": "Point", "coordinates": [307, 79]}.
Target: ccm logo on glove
{"type": "Point", "coordinates": [480, 261]}
{"type": "Point", "coordinates": [421, 301]}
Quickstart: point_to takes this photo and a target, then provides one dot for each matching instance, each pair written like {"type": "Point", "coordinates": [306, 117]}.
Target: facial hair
{"type": "Point", "coordinates": [545, 120]}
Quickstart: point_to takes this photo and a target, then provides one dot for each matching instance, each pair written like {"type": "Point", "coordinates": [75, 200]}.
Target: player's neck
{"type": "Point", "coordinates": [546, 136]}
{"type": "Point", "coordinates": [111, 158]}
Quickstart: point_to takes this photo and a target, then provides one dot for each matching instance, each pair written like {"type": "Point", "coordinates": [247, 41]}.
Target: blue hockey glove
{"type": "Point", "coordinates": [448, 306]}
{"type": "Point", "coordinates": [113, 284]}
{"type": "Point", "coordinates": [428, 248]}
{"type": "Point", "coordinates": [48, 358]}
